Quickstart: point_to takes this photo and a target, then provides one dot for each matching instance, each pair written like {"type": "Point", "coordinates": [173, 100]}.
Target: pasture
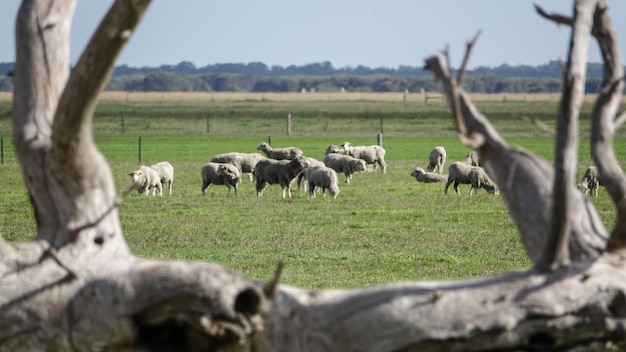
{"type": "Point", "coordinates": [381, 228]}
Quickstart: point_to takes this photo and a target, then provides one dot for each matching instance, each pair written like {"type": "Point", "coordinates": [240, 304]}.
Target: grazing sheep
{"type": "Point", "coordinates": [281, 172]}
{"type": "Point", "coordinates": [166, 173]}
{"type": "Point", "coordinates": [344, 163]}
{"type": "Point", "coordinates": [437, 159]}
{"type": "Point", "coordinates": [479, 179]}
{"type": "Point", "coordinates": [472, 158]}
{"type": "Point", "coordinates": [302, 178]}
{"type": "Point", "coordinates": [427, 177]}
{"type": "Point", "coordinates": [220, 174]}
{"type": "Point", "coordinates": [145, 179]}
{"type": "Point", "coordinates": [245, 162]}
{"type": "Point", "coordinates": [463, 173]}
{"type": "Point", "coordinates": [322, 177]}
{"type": "Point", "coordinates": [590, 181]}
{"type": "Point", "coordinates": [372, 154]}
{"type": "Point", "coordinates": [288, 153]}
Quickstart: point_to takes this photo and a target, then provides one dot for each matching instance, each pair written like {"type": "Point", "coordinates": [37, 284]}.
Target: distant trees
{"type": "Point", "coordinates": [323, 77]}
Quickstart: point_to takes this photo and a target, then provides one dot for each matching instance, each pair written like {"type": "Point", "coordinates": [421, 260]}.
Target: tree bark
{"type": "Point", "coordinates": [76, 286]}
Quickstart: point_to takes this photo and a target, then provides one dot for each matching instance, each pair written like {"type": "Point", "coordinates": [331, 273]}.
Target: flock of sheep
{"type": "Point", "coordinates": [470, 172]}
{"type": "Point", "coordinates": [282, 166]}
{"type": "Point", "coordinates": [286, 166]}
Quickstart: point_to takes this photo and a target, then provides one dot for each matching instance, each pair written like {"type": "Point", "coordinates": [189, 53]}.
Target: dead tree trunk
{"type": "Point", "coordinates": [76, 287]}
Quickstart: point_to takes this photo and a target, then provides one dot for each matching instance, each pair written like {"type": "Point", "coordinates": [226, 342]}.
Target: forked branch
{"type": "Point", "coordinates": [604, 121]}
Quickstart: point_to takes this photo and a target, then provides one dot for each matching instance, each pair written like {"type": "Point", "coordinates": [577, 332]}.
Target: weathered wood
{"type": "Point", "coordinates": [76, 287]}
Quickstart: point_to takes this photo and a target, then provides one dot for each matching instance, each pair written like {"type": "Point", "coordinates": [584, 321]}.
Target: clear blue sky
{"type": "Point", "coordinates": [345, 32]}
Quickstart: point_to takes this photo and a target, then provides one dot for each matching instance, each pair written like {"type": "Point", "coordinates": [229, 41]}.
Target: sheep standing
{"type": "Point", "coordinates": [344, 163]}
{"type": "Point", "coordinates": [473, 158]}
{"type": "Point", "coordinates": [220, 174]}
{"type": "Point", "coordinates": [437, 159]}
{"type": "Point", "coordinates": [246, 162]}
{"type": "Point", "coordinates": [479, 179]}
{"type": "Point", "coordinates": [590, 181]}
{"type": "Point", "coordinates": [463, 173]}
{"type": "Point", "coordinates": [288, 153]}
{"type": "Point", "coordinates": [145, 179]}
{"type": "Point", "coordinates": [372, 154]}
{"type": "Point", "coordinates": [166, 173]}
{"type": "Point", "coordinates": [302, 178]}
{"type": "Point", "coordinates": [323, 177]}
{"type": "Point", "coordinates": [281, 172]}
{"type": "Point", "coordinates": [427, 177]}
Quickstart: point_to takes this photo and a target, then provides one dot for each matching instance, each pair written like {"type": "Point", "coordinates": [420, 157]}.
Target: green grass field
{"type": "Point", "coordinates": [381, 228]}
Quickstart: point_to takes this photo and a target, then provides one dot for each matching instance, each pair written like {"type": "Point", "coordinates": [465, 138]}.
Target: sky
{"type": "Point", "coordinates": [347, 33]}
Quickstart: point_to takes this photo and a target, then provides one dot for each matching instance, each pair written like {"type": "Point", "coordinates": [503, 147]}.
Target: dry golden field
{"type": "Point", "coordinates": [326, 96]}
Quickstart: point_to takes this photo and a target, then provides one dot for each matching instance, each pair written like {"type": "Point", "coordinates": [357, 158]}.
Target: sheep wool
{"type": "Point", "coordinates": [220, 174]}
{"type": "Point", "coordinates": [322, 177]}
{"type": "Point", "coordinates": [288, 153]}
{"type": "Point", "coordinates": [282, 172]}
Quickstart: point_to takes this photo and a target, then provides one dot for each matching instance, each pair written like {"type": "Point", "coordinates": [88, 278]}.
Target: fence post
{"type": "Point", "coordinates": [139, 150]}
{"type": "Point", "coordinates": [289, 124]}
{"type": "Point", "coordinates": [208, 123]}
{"type": "Point", "coordinates": [379, 139]}
{"type": "Point", "coordinates": [381, 124]}
{"type": "Point", "coordinates": [1, 150]}
{"type": "Point", "coordinates": [269, 140]}
{"type": "Point", "coordinates": [123, 126]}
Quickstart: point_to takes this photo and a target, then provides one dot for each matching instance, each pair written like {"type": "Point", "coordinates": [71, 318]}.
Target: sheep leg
{"type": "Point", "coordinates": [260, 186]}
{"type": "Point", "coordinates": [311, 189]}
{"type": "Point", "coordinates": [456, 187]}
{"type": "Point", "coordinates": [448, 183]}
{"type": "Point", "coordinates": [383, 166]}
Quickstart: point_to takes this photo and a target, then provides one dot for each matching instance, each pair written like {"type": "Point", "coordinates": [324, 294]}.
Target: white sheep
{"type": "Point", "coordinates": [437, 159]}
{"type": "Point", "coordinates": [472, 158]}
{"type": "Point", "coordinates": [288, 153]}
{"type": "Point", "coordinates": [372, 154]}
{"type": "Point", "coordinates": [463, 173]}
{"type": "Point", "coordinates": [427, 177]}
{"type": "Point", "coordinates": [479, 179]}
{"type": "Point", "coordinates": [246, 162]}
{"type": "Point", "coordinates": [322, 177]}
{"type": "Point", "coordinates": [590, 181]}
{"type": "Point", "coordinates": [281, 172]}
{"type": "Point", "coordinates": [302, 178]}
{"type": "Point", "coordinates": [166, 173]}
{"type": "Point", "coordinates": [346, 164]}
{"type": "Point", "coordinates": [220, 174]}
{"type": "Point", "coordinates": [145, 179]}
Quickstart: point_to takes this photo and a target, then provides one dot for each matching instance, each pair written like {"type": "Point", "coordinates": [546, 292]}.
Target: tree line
{"type": "Point", "coordinates": [323, 77]}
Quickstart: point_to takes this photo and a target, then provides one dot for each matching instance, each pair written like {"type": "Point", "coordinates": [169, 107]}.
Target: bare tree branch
{"type": "Point", "coordinates": [555, 17]}
{"type": "Point", "coordinates": [525, 182]}
{"type": "Point", "coordinates": [566, 149]}
{"type": "Point", "coordinates": [602, 121]}
{"type": "Point", "coordinates": [468, 51]}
